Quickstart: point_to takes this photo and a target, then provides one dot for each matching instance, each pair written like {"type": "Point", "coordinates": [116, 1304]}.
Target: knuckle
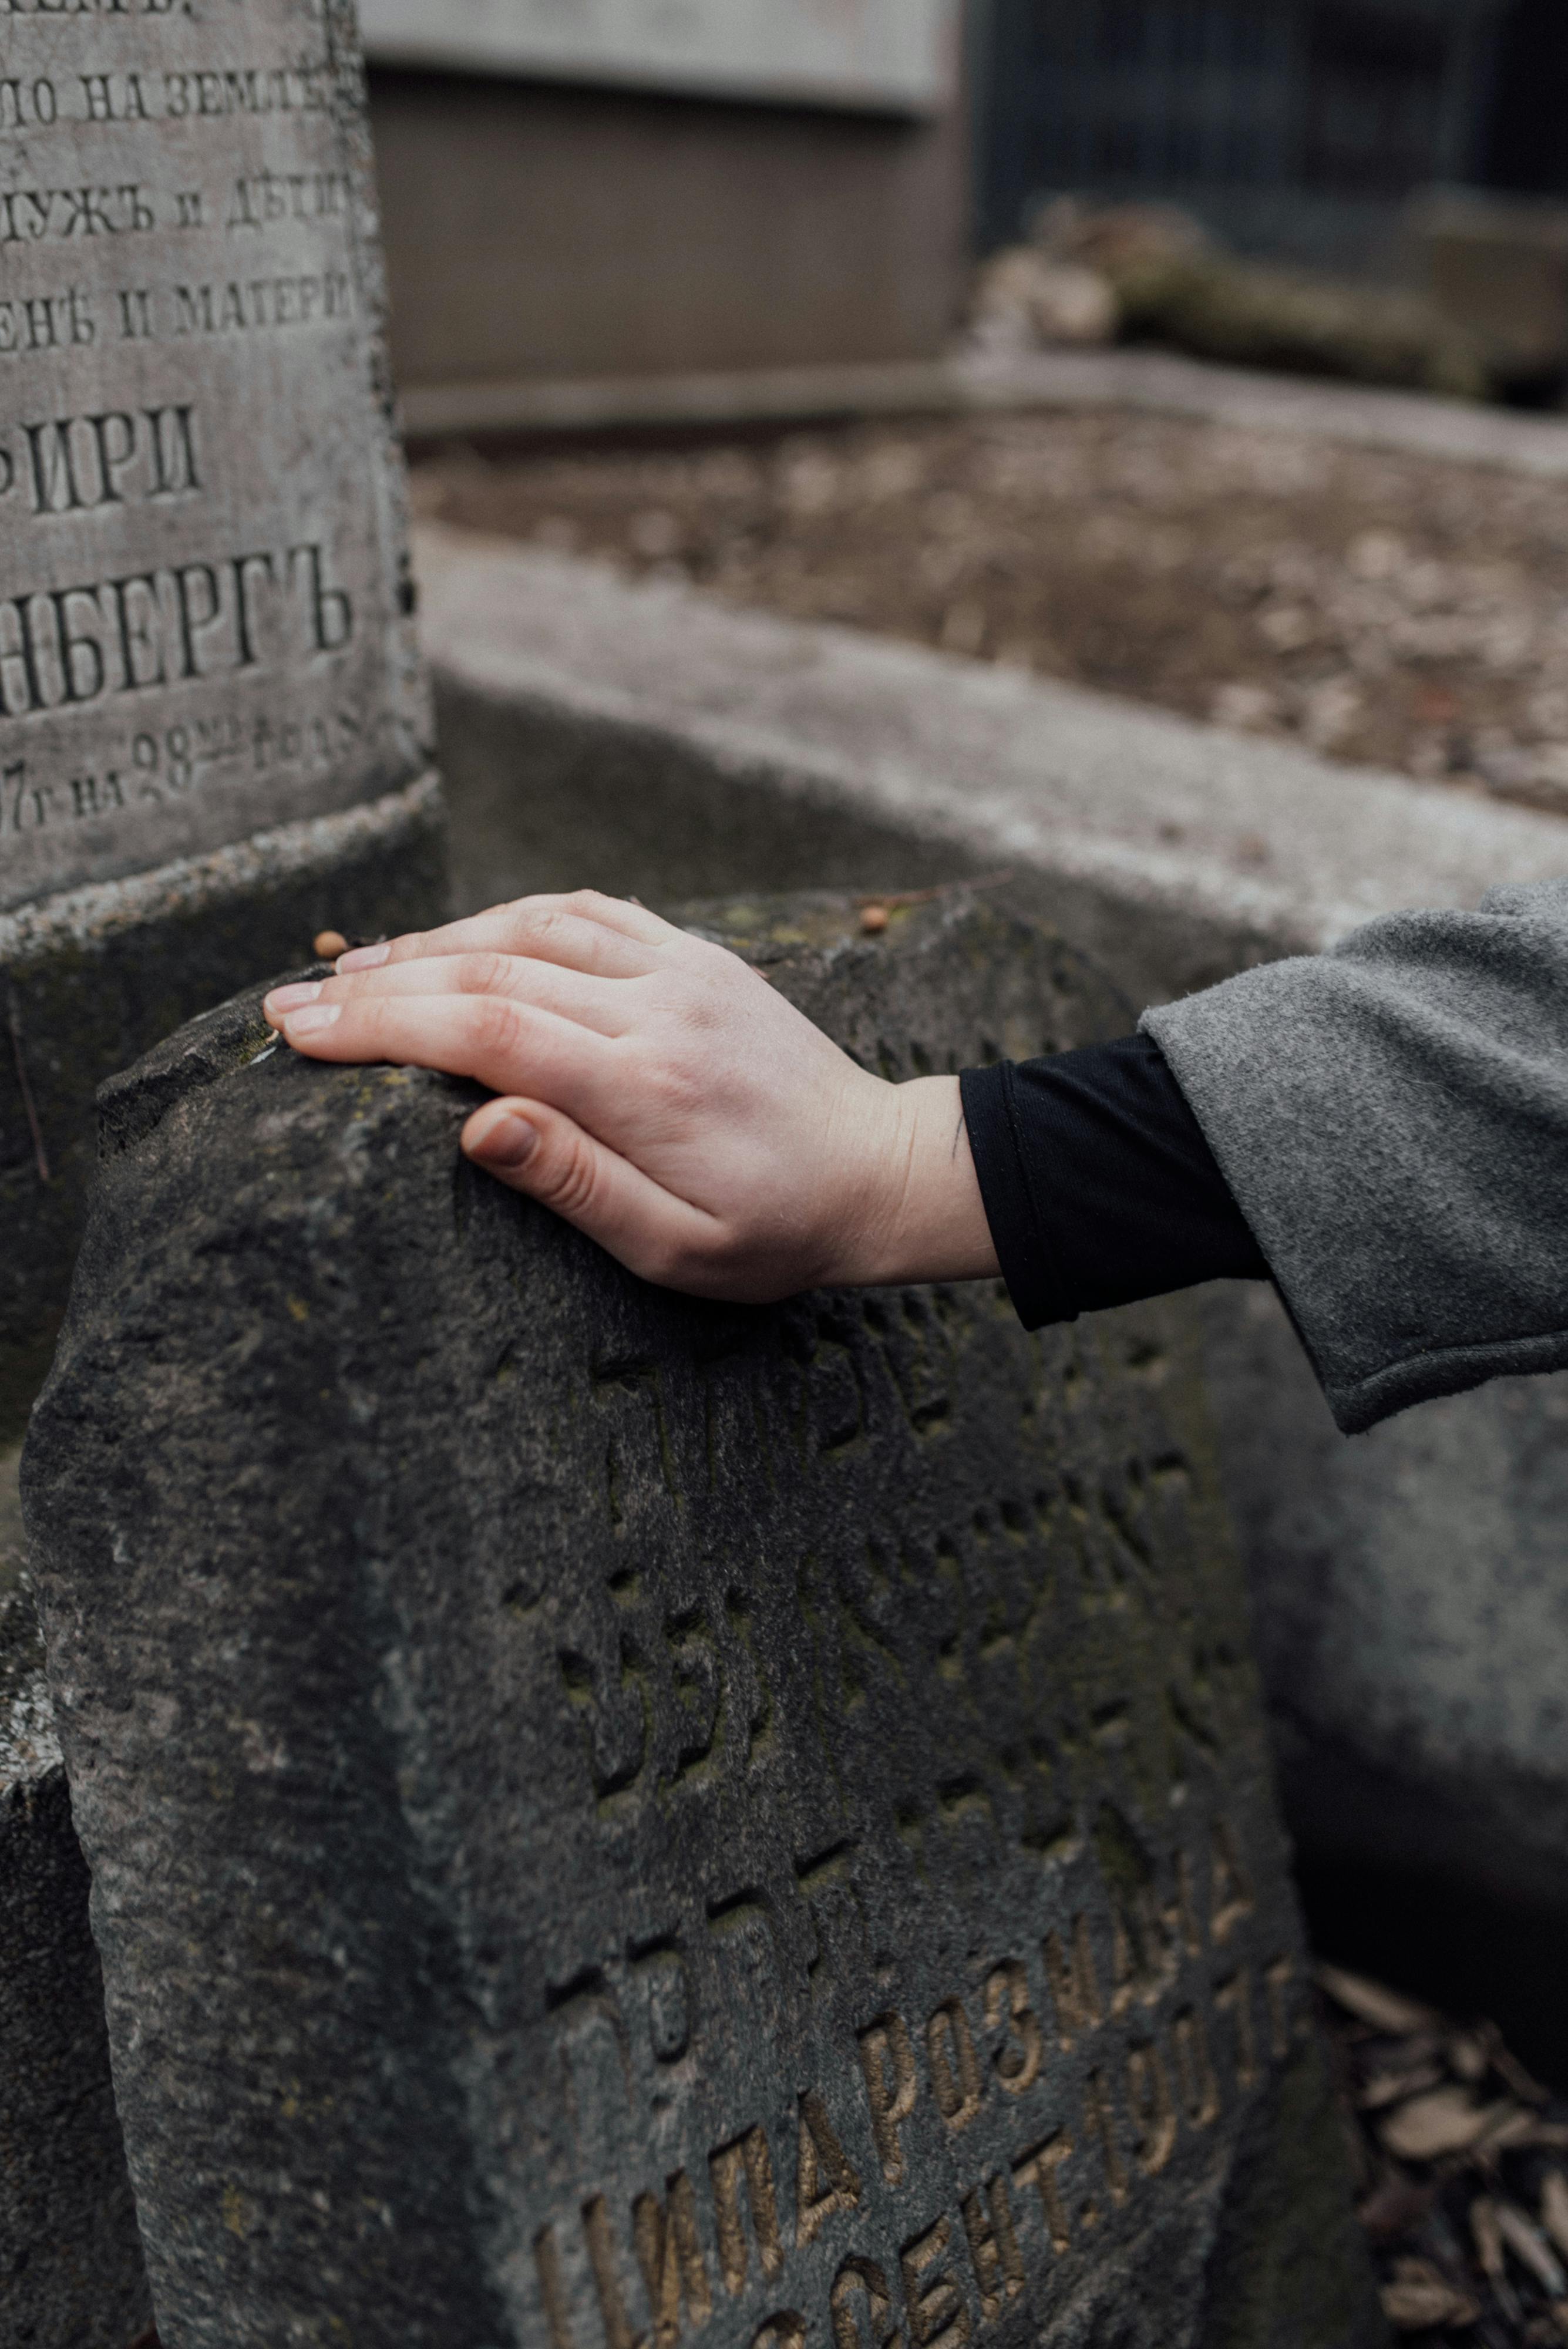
{"type": "Point", "coordinates": [679, 1087]}
{"type": "Point", "coordinates": [572, 1183]}
{"type": "Point", "coordinates": [482, 972]}
{"type": "Point", "coordinates": [546, 921]}
{"type": "Point", "coordinates": [494, 1026]}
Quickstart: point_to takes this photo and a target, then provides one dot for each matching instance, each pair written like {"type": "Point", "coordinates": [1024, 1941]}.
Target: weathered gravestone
{"type": "Point", "coordinates": [71, 2264]}
{"type": "Point", "coordinates": [212, 730]}
{"type": "Point", "coordinates": [618, 1822]}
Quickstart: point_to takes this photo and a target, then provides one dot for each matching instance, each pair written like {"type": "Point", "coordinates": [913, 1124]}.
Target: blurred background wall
{"type": "Point", "coordinates": [722, 187]}
{"type": "Point", "coordinates": [1292, 128]}
{"type": "Point", "coordinates": [604, 192]}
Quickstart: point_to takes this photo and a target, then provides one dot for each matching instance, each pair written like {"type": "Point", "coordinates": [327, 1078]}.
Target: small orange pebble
{"type": "Point", "coordinates": [329, 944]}
{"type": "Point", "coordinates": [874, 918]}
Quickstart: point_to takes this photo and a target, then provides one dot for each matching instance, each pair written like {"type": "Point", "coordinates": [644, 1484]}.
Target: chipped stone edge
{"type": "Point", "coordinates": [90, 915]}
{"type": "Point", "coordinates": [29, 1748]}
{"type": "Point", "coordinates": [29, 1745]}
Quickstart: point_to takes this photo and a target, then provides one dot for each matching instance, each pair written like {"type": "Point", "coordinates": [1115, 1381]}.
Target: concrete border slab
{"type": "Point", "coordinates": [1163, 383]}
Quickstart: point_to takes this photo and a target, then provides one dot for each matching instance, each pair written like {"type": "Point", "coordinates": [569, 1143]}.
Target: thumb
{"type": "Point", "coordinates": [537, 1151]}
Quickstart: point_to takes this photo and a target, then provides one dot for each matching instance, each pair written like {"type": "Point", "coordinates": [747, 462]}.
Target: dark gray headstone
{"type": "Point", "coordinates": [615, 1820]}
{"type": "Point", "coordinates": [71, 2264]}
{"type": "Point", "coordinates": [215, 739]}
{"type": "Point", "coordinates": [204, 620]}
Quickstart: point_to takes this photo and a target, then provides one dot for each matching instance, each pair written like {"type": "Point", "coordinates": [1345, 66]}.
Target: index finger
{"type": "Point", "coordinates": [608, 937]}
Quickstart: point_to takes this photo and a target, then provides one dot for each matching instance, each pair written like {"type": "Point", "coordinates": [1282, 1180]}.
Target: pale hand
{"type": "Point", "coordinates": [658, 1094]}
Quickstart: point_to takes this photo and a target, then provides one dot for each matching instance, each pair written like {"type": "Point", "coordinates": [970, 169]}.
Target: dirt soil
{"type": "Point", "coordinates": [1398, 610]}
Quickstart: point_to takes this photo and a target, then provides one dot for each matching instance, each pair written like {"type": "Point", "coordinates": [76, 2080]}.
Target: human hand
{"type": "Point", "coordinates": [658, 1094]}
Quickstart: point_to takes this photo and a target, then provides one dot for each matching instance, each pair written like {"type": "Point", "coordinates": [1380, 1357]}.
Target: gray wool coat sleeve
{"type": "Point", "coordinates": [1392, 1119]}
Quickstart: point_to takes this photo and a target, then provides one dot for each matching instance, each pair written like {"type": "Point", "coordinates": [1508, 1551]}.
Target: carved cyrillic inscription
{"type": "Point", "coordinates": [1129, 2088]}
{"type": "Point", "coordinates": [961, 2265]}
{"type": "Point", "coordinates": [202, 621]}
{"type": "Point", "coordinates": [925, 2161]}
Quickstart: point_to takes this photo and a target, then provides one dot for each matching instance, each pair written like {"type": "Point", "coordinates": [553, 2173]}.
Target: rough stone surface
{"type": "Point", "coordinates": [614, 1817]}
{"type": "Point", "coordinates": [71, 2264]}
{"type": "Point", "coordinates": [593, 731]}
{"type": "Point", "coordinates": [205, 619]}
{"type": "Point", "coordinates": [92, 978]}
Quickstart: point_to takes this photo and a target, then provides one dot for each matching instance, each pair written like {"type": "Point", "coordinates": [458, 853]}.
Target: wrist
{"type": "Point", "coordinates": [924, 1218]}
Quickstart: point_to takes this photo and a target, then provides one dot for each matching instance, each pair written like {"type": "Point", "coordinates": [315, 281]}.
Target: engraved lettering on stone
{"type": "Point", "coordinates": [1233, 1999]}
{"type": "Point", "coordinates": [861, 2307]}
{"type": "Point", "coordinates": [1099, 2112]}
{"type": "Point", "coordinates": [825, 2183]}
{"type": "Point", "coordinates": [888, 2064]}
{"type": "Point", "coordinates": [605, 2262]}
{"type": "Point", "coordinates": [1153, 2107]}
{"type": "Point", "coordinates": [1038, 2169]}
{"type": "Point", "coordinates": [1075, 1984]}
{"type": "Point", "coordinates": [1017, 2061]}
{"type": "Point", "coordinates": [200, 552]}
{"type": "Point", "coordinates": [938, 2314]}
{"type": "Point", "coordinates": [553, 2289]}
{"type": "Point", "coordinates": [1230, 1888]}
{"type": "Point", "coordinates": [993, 2250]}
{"type": "Point", "coordinates": [1198, 2088]}
{"type": "Point", "coordinates": [956, 2078]}
{"type": "Point", "coordinates": [747, 2162]}
{"type": "Point", "coordinates": [1277, 1979]}
{"type": "Point", "coordinates": [671, 2257]}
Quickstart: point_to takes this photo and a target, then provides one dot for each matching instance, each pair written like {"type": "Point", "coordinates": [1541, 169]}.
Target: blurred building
{"type": "Point", "coordinates": [608, 189]}
{"type": "Point", "coordinates": [1292, 127]}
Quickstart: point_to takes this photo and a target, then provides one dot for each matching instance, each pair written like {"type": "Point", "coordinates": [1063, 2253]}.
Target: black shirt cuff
{"type": "Point", "coordinates": [1098, 1183]}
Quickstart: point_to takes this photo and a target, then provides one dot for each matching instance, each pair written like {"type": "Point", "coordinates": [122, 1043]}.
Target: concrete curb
{"type": "Point", "coordinates": [1232, 850]}
{"type": "Point", "coordinates": [1161, 382]}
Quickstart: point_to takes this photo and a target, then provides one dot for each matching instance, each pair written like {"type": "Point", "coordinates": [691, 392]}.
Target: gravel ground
{"type": "Point", "coordinates": [1394, 609]}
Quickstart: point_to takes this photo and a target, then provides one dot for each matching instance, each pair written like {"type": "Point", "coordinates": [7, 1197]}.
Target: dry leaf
{"type": "Point", "coordinates": [1444, 2120]}
{"type": "Point", "coordinates": [1487, 2229]}
{"type": "Point", "coordinates": [1554, 2208]}
{"type": "Point", "coordinates": [1531, 2249]}
{"type": "Point", "coordinates": [1468, 2057]}
{"type": "Point", "coordinates": [1383, 2009]}
{"type": "Point", "coordinates": [1488, 2235]}
{"type": "Point", "coordinates": [1506, 2130]}
{"type": "Point", "coordinates": [1388, 2087]}
{"type": "Point", "coordinates": [1419, 2298]}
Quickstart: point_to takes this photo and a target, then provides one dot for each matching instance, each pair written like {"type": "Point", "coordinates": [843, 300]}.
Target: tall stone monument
{"type": "Point", "coordinates": [618, 1822]}
{"type": "Point", "coordinates": [213, 726]}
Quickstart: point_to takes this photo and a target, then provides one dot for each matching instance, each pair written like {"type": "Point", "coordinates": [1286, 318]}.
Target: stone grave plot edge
{"type": "Point", "coordinates": [618, 1822]}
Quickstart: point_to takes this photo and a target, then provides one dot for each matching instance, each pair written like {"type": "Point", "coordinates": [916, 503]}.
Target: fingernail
{"type": "Point", "coordinates": [290, 999]}
{"type": "Point", "coordinates": [312, 1021]}
{"type": "Point", "coordinates": [364, 958]}
{"type": "Point", "coordinates": [507, 1143]}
